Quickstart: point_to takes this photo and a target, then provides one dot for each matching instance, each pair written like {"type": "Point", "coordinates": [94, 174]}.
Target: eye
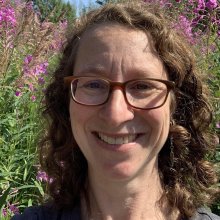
{"type": "Point", "coordinates": [93, 84]}
{"type": "Point", "coordinates": [141, 86]}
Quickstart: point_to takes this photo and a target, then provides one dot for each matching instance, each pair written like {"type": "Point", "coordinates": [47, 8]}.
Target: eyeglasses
{"type": "Point", "coordinates": [146, 93]}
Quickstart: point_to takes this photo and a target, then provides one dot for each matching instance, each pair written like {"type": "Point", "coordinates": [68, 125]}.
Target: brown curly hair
{"type": "Point", "coordinates": [189, 181]}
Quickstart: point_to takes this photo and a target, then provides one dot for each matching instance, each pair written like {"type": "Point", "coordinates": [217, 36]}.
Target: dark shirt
{"type": "Point", "coordinates": [46, 213]}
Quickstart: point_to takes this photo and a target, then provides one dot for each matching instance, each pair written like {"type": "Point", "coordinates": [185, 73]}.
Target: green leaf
{"type": "Point", "coordinates": [217, 94]}
{"type": "Point", "coordinates": [25, 171]}
{"type": "Point", "coordinates": [40, 188]}
{"type": "Point", "coordinates": [30, 202]}
{"type": "Point", "coordinates": [26, 187]}
{"type": "Point", "coordinates": [4, 197]}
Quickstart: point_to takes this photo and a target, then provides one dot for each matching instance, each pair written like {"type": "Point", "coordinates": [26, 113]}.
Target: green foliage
{"type": "Point", "coordinates": [55, 10]}
{"type": "Point", "coordinates": [4, 197]}
{"type": "Point", "coordinates": [29, 50]}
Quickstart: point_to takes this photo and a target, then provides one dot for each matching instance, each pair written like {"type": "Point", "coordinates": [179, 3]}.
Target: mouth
{"type": "Point", "coordinates": [117, 140]}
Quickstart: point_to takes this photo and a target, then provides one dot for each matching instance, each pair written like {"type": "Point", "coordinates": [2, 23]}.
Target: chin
{"type": "Point", "coordinates": [121, 171]}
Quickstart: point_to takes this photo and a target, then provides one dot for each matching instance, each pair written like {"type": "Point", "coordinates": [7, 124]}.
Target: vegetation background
{"type": "Point", "coordinates": [32, 34]}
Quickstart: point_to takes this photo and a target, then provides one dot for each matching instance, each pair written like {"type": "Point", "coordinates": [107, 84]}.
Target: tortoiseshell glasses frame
{"type": "Point", "coordinates": [144, 93]}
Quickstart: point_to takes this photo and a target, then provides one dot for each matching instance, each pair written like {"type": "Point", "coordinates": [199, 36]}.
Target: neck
{"type": "Point", "coordinates": [134, 199]}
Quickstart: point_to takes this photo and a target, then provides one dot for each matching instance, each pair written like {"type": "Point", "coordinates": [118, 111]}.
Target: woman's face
{"type": "Point", "coordinates": [119, 54]}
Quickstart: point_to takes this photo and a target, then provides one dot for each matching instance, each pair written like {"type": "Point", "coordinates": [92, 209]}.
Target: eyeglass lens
{"type": "Point", "coordinates": [139, 93]}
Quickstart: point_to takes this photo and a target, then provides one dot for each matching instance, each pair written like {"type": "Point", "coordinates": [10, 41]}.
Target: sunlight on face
{"type": "Point", "coordinates": [119, 141]}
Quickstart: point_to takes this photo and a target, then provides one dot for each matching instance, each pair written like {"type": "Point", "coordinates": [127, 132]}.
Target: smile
{"type": "Point", "coordinates": [125, 139]}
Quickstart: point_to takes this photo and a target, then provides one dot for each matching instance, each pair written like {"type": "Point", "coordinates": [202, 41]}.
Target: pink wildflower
{"type": "Point", "coordinates": [218, 124]}
{"type": "Point", "coordinates": [14, 209]}
{"type": "Point", "coordinates": [211, 4]}
{"type": "Point", "coordinates": [212, 47]}
{"type": "Point", "coordinates": [197, 20]}
{"type": "Point", "coordinates": [41, 80]}
{"type": "Point", "coordinates": [7, 16]}
{"type": "Point", "coordinates": [43, 177]}
{"type": "Point", "coordinates": [44, 66]}
{"type": "Point", "coordinates": [33, 98]}
{"type": "Point", "coordinates": [4, 212]}
{"type": "Point", "coordinates": [41, 68]}
{"type": "Point", "coordinates": [201, 4]}
{"type": "Point", "coordinates": [31, 87]}
{"type": "Point", "coordinates": [185, 26]}
{"type": "Point", "coordinates": [190, 2]}
{"type": "Point", "coordinates": [28, 59]}
{"type": "Point", "coordinates": [17, 2]}
{"type": "Point", "coordinates": [18, 93]}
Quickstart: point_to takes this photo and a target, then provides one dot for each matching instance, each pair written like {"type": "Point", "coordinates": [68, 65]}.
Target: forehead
{"type": "Point", "coordinates": [115, 48]}
{"type": "Point", "coordinates": [114, 35]}
{"type": "Point", "coordinates": [99, 30]}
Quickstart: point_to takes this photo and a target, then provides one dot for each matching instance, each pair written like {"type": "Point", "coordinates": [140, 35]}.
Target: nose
{"type": "Point", "coordinates": [116, 111]}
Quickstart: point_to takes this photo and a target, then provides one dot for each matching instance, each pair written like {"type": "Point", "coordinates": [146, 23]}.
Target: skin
{"type": "Point", "coordinates": [129, 170]}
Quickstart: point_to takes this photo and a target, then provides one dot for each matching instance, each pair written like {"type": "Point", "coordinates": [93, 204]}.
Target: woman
{"type": "Point", "coordinates": [128, 117]}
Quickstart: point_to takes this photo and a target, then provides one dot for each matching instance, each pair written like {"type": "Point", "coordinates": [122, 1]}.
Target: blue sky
{"type": "Point", "coordinates": [80, 4]}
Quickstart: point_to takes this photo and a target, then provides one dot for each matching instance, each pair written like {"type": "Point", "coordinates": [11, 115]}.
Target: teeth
{"type": "Point", "coordinates": [117, 140]}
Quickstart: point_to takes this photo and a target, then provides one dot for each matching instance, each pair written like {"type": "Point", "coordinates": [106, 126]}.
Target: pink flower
{"type": "Point", "coordinates": [17, 2]}
{"type": "Point", "coordinates": [14, 209]}
{"type": "Point", "coordinates": [31, 87]}
{"type": "Point", "coordinates": [4, 212]}
{"type": "Point", "coordinates": [212, 47]}
{"type": "Point", "coordinates": [211, 4]}
{"type": "Point", "coordinates": [41, 80]}
{"type": "Point", "coordinates": [33, 98]}
{"type": "Point", "coordinates": [185, 26]}
{"type": "Point", "coordinates": [218, 124]}
{"type": "Point", "coordinates": [43, 177]}
{"type": "Point", "coordinates": [201, 4]}
{"type": "Point", "coordinates": [7, 16]}
{"type": "Point", "coordinates": [28, 59]}
{"type": "Point", "coordinates": [41, 68]}
{"type": "Point", "coordinates": [18, 93]}
{"type": "Point", "coordinates": [197, 19]}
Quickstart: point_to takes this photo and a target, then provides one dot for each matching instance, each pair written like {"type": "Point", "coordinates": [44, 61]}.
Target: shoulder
{"type": "Point", "coordinates": [48, 213]}
{"type": "Point", "coordinates": [37, 213]}
{"type": "Point", "coordinates": [205, 214]}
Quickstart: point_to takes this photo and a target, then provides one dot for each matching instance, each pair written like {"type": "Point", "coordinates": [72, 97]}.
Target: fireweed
{"type": "Point", "coordinates": [29, 51]}
{"type": "Point", "coordinates": [199, 22]}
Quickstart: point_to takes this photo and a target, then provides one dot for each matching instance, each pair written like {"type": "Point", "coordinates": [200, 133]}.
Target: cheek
{"type": "Point", "coordinates": [80, 117]}
{"type": "Point", "coordinates": [77, 117]}
{"type": "Point", "coordinates": [157, 117]}
{"type": "Point", "coordinates": [158, 120]}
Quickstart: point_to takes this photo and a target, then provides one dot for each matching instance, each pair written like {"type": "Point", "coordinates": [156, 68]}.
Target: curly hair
{"type": "Point", "coordinates": [189, 181]}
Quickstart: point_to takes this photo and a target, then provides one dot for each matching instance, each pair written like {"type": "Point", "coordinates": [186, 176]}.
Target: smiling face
{"type": "Point", "coordinates": [119, 141]}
